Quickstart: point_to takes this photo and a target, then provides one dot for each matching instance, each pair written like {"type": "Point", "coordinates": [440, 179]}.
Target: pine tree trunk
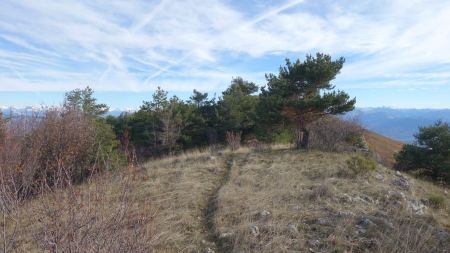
{"type": "Point", "coordinates": [302, 138]}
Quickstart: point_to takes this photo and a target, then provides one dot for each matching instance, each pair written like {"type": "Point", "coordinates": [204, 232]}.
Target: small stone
{"type": "Point", "coordinates": [226, 235]}
{"type": "Point", "coordinates": [367, 198]}
{"type": "Point", "coordinates": [209, 250]}
{"type": "Point", "coordinates": [263, 215]}
{"type": "Point", "coordinates": [398, 174]}
{"type": "Point", "coordinates": [255, 230]}
{"type": "Point", "coordinates": [365, 222]}
{"type": "Point", "coordinates": [314, 243]}
{"type": "Point", "coordinates": [379, 176]}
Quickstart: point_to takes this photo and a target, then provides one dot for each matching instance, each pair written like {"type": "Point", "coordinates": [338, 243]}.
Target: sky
{"type": "Point", "coordinates": [397, 51]}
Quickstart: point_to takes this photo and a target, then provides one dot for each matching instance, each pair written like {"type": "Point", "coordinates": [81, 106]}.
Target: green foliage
{"type": "Point", "coordinates": [237, 106]}
{"type": "Point", "coordinates": [198, 98]}
{"type": "Point", "coordinates": [355, 140]}
{"type": "Point", "coordinates": [302, 93]}
{"type": "Point", "coordinates": [430, 153]}
{"type": "Point", "coordinates": [285, 136]}
{"type": "Point", "coordinates": [436, 201]}
{"type": "Point", "coordinates": [158, 103]}
{"type": "Point", "coordinates": [164, 124]}
{"type": "Point", "coordinates": [361, 164]}
{"type": "Point", "coordinates": [83, 100]}
{"type": "Point", "coordinates": [107, 142]}
{"type": "Point", "coordinates": [105, 138]}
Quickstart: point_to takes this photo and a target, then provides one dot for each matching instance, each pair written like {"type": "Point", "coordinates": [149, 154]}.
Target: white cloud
{"type": "Point", "coordinates": [119, 45]}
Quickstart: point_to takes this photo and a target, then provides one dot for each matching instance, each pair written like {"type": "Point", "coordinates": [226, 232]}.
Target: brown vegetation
{"type": "Point", "coordinates": [233, 140]}
{"type": "Point", "coordinates": [383, 147]}
{"type": "Point", "coordinates": [287, 201]}
{"type": "Point", "coordinates": [333, 134]}
{"type": "Point", "coordinates": [159, 209]}
{"type": "Point", "coordinates": [273, 200]}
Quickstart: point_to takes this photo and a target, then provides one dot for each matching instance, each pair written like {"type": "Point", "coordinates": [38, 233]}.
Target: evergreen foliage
{"type": "Point", "coordinates": [302, 93]}
{"type": "Point", "coordinates": [430, 153]}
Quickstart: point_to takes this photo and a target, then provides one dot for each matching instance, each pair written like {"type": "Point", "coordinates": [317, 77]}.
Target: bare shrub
{"type": "Point", "coordinates": [233, 140]}
{"type": "Point", "coordinates": [171, 129]}
{"type": "Point", "coordinates": [11, 178]}
{"type": "Point", "coordinates": [57, 149]}
{"type": "Point", "coordinates": [333, 134]}
{"type": "Point", "coordinates": [95, 217]}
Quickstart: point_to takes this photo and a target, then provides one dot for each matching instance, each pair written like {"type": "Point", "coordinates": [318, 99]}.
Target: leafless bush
{"type": "Point", "coordinates": [233, 140]}
{"type": "Point", "coordinates": [57, 149]}
{"type": "Point", "coordinates": [333, 134]}
{"type": "Point", "coordinates": [95, 217]}
{"type": "Point", "coordinates": [10, 183]}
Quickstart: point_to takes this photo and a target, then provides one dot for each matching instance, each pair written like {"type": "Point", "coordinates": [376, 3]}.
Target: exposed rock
{"type": "Point", "coordinates": [365, 222]}
{"type": "Point", "coordinates": [345, 214]}
{"type": "Point", "coordinates": [263, 215]}
{"type": "Point", "coordinates": [314, 243]}
{"type": "Point", "coordinates": [226, 235]}
{"type": "Point", "coordinates": [379, 176]}
{"type": "Point", "coordinates": [366, 198]}
{"type": "Point", "coordinates": [255, 230]}
{"type": "Point", "coordinates": [209, 250]}
{"type": "Point", "coordinates": [401, 182]}
{"type": "Point", "coordinates": [416, 205]}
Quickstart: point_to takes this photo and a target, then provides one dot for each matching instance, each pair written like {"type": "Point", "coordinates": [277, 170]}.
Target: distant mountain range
{"type": "Point", "coordinates": [398, 124]}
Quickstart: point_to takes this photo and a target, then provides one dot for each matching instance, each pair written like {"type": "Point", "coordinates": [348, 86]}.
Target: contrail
{"type": "Point", "coordinates": [150, 16]}
{"type": "Point", "coordinates": [258, 19]}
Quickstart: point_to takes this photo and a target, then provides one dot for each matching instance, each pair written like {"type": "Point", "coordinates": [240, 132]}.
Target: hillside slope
{"type": "Point", "coordinates": [384, 147]}
{"type": "Point", "coordinates": [246, 201]}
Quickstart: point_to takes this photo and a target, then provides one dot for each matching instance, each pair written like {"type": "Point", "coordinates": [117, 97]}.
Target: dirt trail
{"type": "Point", "coordinates": [218, 244]}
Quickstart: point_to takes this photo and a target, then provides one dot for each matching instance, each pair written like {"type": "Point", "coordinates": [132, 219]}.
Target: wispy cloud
{"type": "Point", "coordinates": [119, 45]}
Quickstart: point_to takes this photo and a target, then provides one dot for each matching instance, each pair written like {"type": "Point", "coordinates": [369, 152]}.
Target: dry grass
{"type": "Point", "coordinates": [276, 200]}
{"type": "Point", "coordinates": [385, 148]}
{"type": "Point", "coordinates": [158, 209]}
{"type": "Point", "coordinates": [290, 201]}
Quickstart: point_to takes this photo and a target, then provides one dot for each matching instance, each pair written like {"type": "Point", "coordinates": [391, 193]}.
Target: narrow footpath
{"type": "Point", "coordinates": [219, 244]}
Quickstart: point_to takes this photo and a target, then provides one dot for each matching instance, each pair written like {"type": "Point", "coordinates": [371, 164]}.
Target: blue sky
{"type": "Point", "coordinates": [397, 52]}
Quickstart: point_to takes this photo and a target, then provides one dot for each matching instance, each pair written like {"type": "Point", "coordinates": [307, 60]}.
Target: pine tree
{"type": "Point", "coordinates": [302, 93]}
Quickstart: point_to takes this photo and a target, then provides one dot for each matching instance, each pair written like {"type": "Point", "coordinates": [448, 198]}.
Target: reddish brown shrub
{"type": "Point", "coordinates": [233, 140]}
{"type": "Point", "coordinates": [333, 134]}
